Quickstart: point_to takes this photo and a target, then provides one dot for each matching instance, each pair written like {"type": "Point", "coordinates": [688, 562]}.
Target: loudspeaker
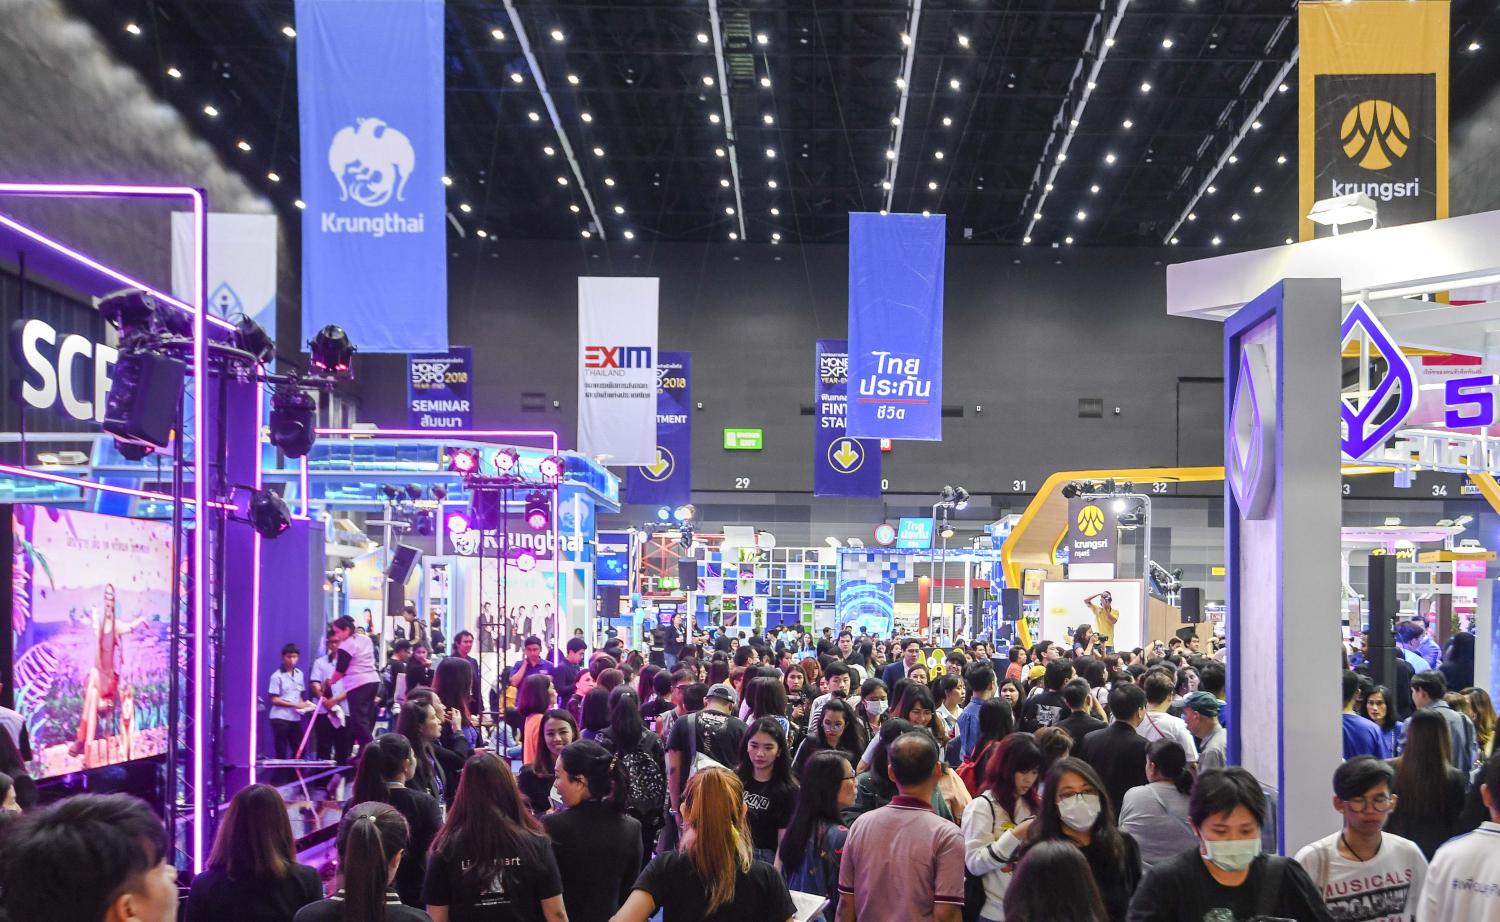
{"type": "Point", "coordinates": [1191, 600]}
{"type": "Point", "coordinates": [1010, 604]}
{"type": "Point", "coordinates": [1185, 634]}
{"type": "Point", "coordinates": [395, 600]}
{"type": "Point", "coordinates": [609, 601]}
{"type": "Point", "coordinates": [402, 561]}
{"type": "Point", "coordinates": [1384, 607]}
{"type": "Point", "coordinates": [484, 510]}
{"type": "Point", "coordinates": [142, 402]}
{"type": "Point", "coordinates": [687, 574]}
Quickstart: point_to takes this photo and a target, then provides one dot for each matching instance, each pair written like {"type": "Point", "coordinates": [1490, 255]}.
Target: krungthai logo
{"type": "Point", "coordinates": [1375, 134]}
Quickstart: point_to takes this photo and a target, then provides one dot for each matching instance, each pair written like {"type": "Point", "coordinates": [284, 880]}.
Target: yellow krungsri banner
{"type": "Point", "coordinates": [1373, 107]}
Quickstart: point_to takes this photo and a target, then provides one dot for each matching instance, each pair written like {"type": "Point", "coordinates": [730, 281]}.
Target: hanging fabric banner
{"type": "Point", "coordinates": [617, 369]}
{"type": "Point", "coordinates": [241, 265]}
{"type": "Point", "coordinates": [842, 465]}
{"type": "Point", "coordinates": [896, 326]}
{"type": "Point", "coordinates": [1373, 109]}
{"type": "Point", "coordinates": [669, 480]}
{"type": "Point", "coordinates": [374, 235]}
{"type": "Point", "coordinates": [440, 388]}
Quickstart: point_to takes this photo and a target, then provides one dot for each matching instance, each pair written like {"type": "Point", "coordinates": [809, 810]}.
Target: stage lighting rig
{"type": "Point", "coordinates": [464, 461]}
{"type": "Point", "coordinates": [457, 522]}
{"type": "Point", "coordinates": [133, 451]}
{"type": "Point", "coordinates": [523, 559]}
{"type": "Point", "coordinates": [664, 514]}
{"type": "Point", "coordinates": [538, 511]}
{"type": "Point", "coordinates": [254, 341]}
{"type": "Point", "coordinates": [391, 491]}
{"type": "Point", "coordinates": [269, 515]}
{"type": "Point", "coordinates": [293, 416]}
{"type": "Point", "coordinates": [438, 492]}
{"type": "Point", "coordinates": [414, 491]}
{"type": "Point", "coordinates": [1071, 490]}
{"type": "Point", "coordinates": [552, 468]}
{"type": "Point", "coordinates": [331, 350]}
{"type": "Point", "coordinates": [684, 513]}
{"type": "Point", "coordinates": [507, 460]}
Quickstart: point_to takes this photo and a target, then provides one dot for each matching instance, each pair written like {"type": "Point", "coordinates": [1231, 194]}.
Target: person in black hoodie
{"type": "Point", "coordinates": [597, 845]}
{"type": "Point", "coordinates": [385, 767]}
{"type": "Point", "coordinates": [1048, 708]}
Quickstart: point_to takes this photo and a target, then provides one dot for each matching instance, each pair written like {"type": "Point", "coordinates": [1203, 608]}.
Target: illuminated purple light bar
{"type": "Point", "coordinates": [102, 487]}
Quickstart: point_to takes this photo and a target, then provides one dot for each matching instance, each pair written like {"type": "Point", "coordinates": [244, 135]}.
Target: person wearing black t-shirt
{"type": "Point", "coordinates": [765, 770]}
{"type": "Point", "coordinates": [1226, 878]}
{"type": "Point", "coordinates": [1048, 708]}
{"type": "Point", "coordinates": [713, 878]}
{"type": "Point", "coordinates": [597, 846]}
{"type": "Point", "coordinates": [491, 862]}
{"type": "Point", "coordinates": [713, 732]}
{"type": "Point", "coordinates": [252, 873]}
{"type": "Point", "coordinates": [385, 766]}
{"type": "Point", "coordinates": [371, 839]}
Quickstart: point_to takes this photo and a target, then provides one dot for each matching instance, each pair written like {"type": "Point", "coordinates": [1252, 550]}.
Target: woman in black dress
{"type": "Point", "coordinates": [385, 767]}
{"type": "Point", "coordinates": [597, 845]}
{"type": "Point", "coordinates": [252, 873]}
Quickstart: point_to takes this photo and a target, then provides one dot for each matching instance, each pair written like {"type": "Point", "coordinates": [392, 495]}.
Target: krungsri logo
{"type": "Point", "coordinates": [1375, 133]}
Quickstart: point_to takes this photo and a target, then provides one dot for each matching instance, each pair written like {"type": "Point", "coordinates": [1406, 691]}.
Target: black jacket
{"type": "Point", "coordinates": [1080, 724]}
{"type": "Point", "coordinates": [1118, 754]}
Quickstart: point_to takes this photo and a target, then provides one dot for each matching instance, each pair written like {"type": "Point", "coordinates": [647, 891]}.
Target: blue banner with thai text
{"type": "Point", "coordinates": [896, 326]}
{"type": "Point", "coordinates": [669, 480]}
{"type": "Point", "coordinates": [374, 235]}
{"type": "Point", "coordinates": [842, 465]}
{"type": "Point", "coordinates": [440, 389]}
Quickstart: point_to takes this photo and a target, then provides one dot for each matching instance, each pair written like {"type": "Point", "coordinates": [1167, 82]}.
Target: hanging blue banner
{"type": "Point", "coordinates": [669, 481]}
{"type": "Point", "coordinates": [896, 326]}
{"type": "Point", "coordinates": [374, 236]}
{"type": "Point", "coordinates": [440, 389]}
{"type": "Point", "coordinates": [842, 465]}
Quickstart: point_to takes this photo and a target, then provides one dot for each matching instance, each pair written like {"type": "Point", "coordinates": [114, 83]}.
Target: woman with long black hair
{"type": "Point", "coordinates": [1430, 791]}
{"type": "Point", "coordinates": [1381, 708]}
{"type": "Point", "coordinates": [1036, 896]}
{"type": "Point", "coordinates": [873, 706]}
{"type": "Point", "coordinates": [537, 697]}
{"type": "Point", "coordinates": [491, 859]}
{"type": "Point", "coordinates": [539, 775]}
{"type": "Point", "coordinates": [371, 840]}
{"type": "Point", "coordinates": [385, 767]}
{"type": "Point", "coordinates": [452, 683]}
{"type": "Point", "coordinates": [1155, 814]}
{"type": "Point", "coordinates": [645, 758]}
{"type": "Point", "coordinates": [597, 846]}
{"type": "Point", "coordinates": [996, 722]}
{"type": "Point", "coordinates": [422, 723]}
{"type": "Point", "coordinates": [837, 728]}
{"type": "Point", "coordinates": [765, 772]}
{"type": "Point", "coordinates": [593, 714]}
{"type": "Point", "coordinates": [1076, 808]}
{"type": "Point", "coordinates": [813, 844]}
{"type": "Point", "coordinates": [252, 873]}
{"type": "Point", "coordinates": [998, 822]}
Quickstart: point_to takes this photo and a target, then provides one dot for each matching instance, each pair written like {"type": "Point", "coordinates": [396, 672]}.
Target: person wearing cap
{"type": "Point", "coordinates": [1201, 712]}
{"type": "Point", "coordinates": [713, 732]}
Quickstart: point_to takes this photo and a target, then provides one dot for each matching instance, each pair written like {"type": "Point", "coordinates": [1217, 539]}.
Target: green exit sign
{"type": "Point", "coordinates": [744, 439]}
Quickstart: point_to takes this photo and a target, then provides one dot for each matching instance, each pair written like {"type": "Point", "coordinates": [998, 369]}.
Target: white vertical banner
{"type": "Point", "coordinates": [241, 265]}
{"type": "Point", "coordinates": [617, 369]}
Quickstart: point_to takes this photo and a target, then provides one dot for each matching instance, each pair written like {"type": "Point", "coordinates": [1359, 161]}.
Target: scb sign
{"type": "Point", "coordinates": [63, 370]}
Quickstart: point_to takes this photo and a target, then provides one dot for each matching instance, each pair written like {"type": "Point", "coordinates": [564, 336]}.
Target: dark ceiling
{"type": "Point", "coordinates": [815, 144]}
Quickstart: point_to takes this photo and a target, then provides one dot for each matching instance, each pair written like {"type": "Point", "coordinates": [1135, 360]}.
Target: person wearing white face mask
{"type": "Point", "coordinates": [1076, 808]}
{"type": "Point", "coordinates": [1227, 878]}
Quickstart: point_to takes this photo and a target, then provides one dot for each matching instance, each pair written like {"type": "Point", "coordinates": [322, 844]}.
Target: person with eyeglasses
{"type": "Point", "coordinates": [1365, 873]}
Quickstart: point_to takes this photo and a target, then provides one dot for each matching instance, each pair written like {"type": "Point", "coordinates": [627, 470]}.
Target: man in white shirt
{"type": "Point", "coordinates": [1158, 724]}
{"type": "Point", "coordinates": [1364, 873]}
{"type": "Point", "coordinates": [330, 729]}
{"type": "Point", "coordinates": [1463, 882]}
{"type": "Point", "coordinates": [288, 703]}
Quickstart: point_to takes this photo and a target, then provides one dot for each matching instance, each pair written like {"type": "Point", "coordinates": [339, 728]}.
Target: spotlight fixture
{"type": "Point", "coordinates": [664, 514]}
{"type": "Point", "coordinates": [947, 531]}
{"type": "Point", "coordinates": [133, 451]}
{"type": "Point", "coordinates": [438, 492]}
{"type": "Point", "coordinates": [523, 558]}
{"type": "Point", "coordinates": [414, 491]}
{"type": "Point", "coordinates": [331, 350]}
{"type": "Point", "coordinates": [292, 429]}
{"type": "Point", "coordinates": [960, 498]}
{"type": "Point", "coordinates": [391, 492]}
{"type": "Point", "coordinates": [683, 514]}
{"type": "Point", "coordinates": [506, 460]}
{"type": "Point", "coordinates": [457, 523]}
{"type": "Point", "coordinates": [250, 337]}
{"type": "Point", "coordinates": [1070, 490]}
{"type": "Point", "coordinates": [131, 311]}
{"type": "Point", "coordinates": [538, 511]}
{"type": "Point", "coordinates": [269, 515]}
{"type": "Point", "coordinates": [948, 495]}
{"type": "Point", "coordinates": [552, 467]}
{"type": "Point", "coordinates": [463, 461]}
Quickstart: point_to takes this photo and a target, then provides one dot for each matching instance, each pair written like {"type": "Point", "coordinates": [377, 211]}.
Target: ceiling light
{"type": "Point", "coordinates": [1216, 241]}
{"type": "Point", "coordinates": [1283, 88]}
{"type": "Point", "coordinates": [1026, 239]}
{"type": "Point", "coordinates": [586, 117]}
{"type": "Point", "coordinates": [703, 38]}
{"type": "Point", "coordinates": [299, 203]}
{"type": "Point", "coordinates": [516, 78]}
{"type": "Point", "coordinates": [963, 40]}
{"type": "Point", "coordinates": [1288, 240]}
{"type": "Point", "coordinates": [1110, 158]}
{"type": "Point", "coordinates": [733, 235]}
{"type": "Point", "coordinates": [585, 233]}
{"type": "Point", "coordinates": [776, 236]}
{"type": "Point", "coordinates": [708, 80]}
{"type": "Point", "coordinates": [1192, 216]}
{"type": "Point", "coordinates": [1255, 126]}
{"type": "Point", "coordinates": [562, 180]}
{"type": "Point", "coordinates": [630, 235]}
{"type": "Point", "coordinates": [1091, 85]}
{"type": "Point", "coordinates": [1174, 241]}
{"type": "Point", "coordinates": [713, 117]}
{"type": "Point", "coordinates": [1073, 123]}
{"type": "Point", "coordinates": [1109, 43]}
{"type": "Point", "coordinates": [557, 35]}
{"type": "Point", "coordinates": [1235, 216]}
{"type": "Point", "coordinates": [549, 150]}
{"type": "Point", "coordinates": [609, 181]}
{"type": "Point", "coordinates": [244, 146]}
{"type": "Point", "coordinates": [1094, 189]}
{"type": "Point", "coordinates": [729, 209]}
{"type": "Point", "coordinates": [932, 186]}
{"type": "Point", "coordinates": [895, 121]}
{"type": "Point", "coordinates": [768, 118]}
{"type": "Point", "coordinates": [1036, 215]}
{"type": "Point", "coordinates": [905, 40]}
{"type": "Point", "coordinates": [883, 212]}
{"type": "Point", "coordinates": [1166, 43]}
{"type": "Point", "coordinates": [465, 208]}
{"type": "Point", "coordinates": [900, 83]}
{"type": "Point", "coordinates": [1281, 158]}
{"type": "Point", "coordinates": [288, 31]}
{"type": "Point", "coordinates": [1212, 189]}
{"type": "Point", "coordinates": [210, 111]}
{"type": "Point", "coordinates": [1474, 46]}
{"type": "Point", "coordinates": [574, 208]}
{"type": "Point", "coordinates": [481, 233]}
{"type": "Point", "coordinates": [719, 152]}
{"type": "Point", "coordinates": [174, 73]}
{"type": "Point", "coordinates": [770, 184]}
{"type": "Point", "coordinates": [765, 82]}
{"type": "Point", "coordinates": [1257, 190]}
{"type": "Point", "coordinates": [1081, 216]}
{"type": "Point", "coordinates": [598, 152]}
{"type": "Point", "coordinates": [1068, 241]}
{"type": "Point", "coordinates": [937, 155]}
{"type": "Point", "coordinates": [132, 28]}
{"type": "Point", "coordinates": [762, 38]}
{"type": "Point", "coordinates": [447, 180]}
{"type": "Point", "coordinates": [771, 153]}
{"type": "Point", "coordinates": [926, 213]}
{"type": "Point", "coordinates": [498, 34]}
{"type": "Point", "coordinates": [1127, 124]}
{"type": "Point", "coordinates": [1048, 187]}
{"type": "Point", "coordinates": [954, 84]}
{"type": "Point", "coordinates": [274, 177]}
{"type": "Point", "coordinates": [1061, 156]}
{"type": "Point", "coordinates": [573, 79]}
{"type": "Point", "coordinates": [619, 209]}
{"type": "Point", "coordinates": [725, 183]}
{"type": "Point", "coordinates": [947, 121]}
{"type": "Point", "coordinates": [775, 212]}
{"type": "Point", "coordinates": [1145, 87]}
{"type": "Point", "coordinates": [1234, 158]}
{"type": "Point", "coordinates": [885, 184]}
{"type": "Point", "coordinates": [534, 116]}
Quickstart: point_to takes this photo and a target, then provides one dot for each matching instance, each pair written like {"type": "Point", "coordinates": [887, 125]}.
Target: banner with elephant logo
{"type": "Point", "coordinates": [370, 94]}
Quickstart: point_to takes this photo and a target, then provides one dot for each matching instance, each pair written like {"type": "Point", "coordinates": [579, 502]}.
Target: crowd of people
{"type": "Point", "coordinates": [714, 780]}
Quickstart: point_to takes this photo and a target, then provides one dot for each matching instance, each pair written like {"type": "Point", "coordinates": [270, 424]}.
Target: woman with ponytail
{"type": "Point", "coordinates": [1156, 814]}
{"type": "Point", "coordinates": [491, 859]}
{"type": "Point", "coordinates": [712, 877]}
{"type": "Point", "coordinates": [385, 767]}
{"type": "Point", "coordinates": [597, 845]}
{"type": "Point", "coordinates": [371, 840]}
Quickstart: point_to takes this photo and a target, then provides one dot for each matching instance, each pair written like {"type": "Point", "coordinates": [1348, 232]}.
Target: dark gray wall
{"type": "Point", "coordinates": [1028, 333]}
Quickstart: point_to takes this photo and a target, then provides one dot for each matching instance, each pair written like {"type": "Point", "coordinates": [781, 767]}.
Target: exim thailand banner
{"type": "Point", "coordinates": [842, 464]}
{"type": "Point", "coordinates": [669, 480]}
{"type": "Point", "coordinates": [440, 389]}
{"type": "Point", "coordinates": [370, 95]}
{"type": "Point", "coordinates": [241, 265]}
{"type": "Point", "coordinates": [896, 326]}
{"type": "Point", "coordinates": [617, 368]}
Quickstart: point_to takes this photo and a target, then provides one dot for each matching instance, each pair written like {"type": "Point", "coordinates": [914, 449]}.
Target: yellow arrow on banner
{"type": "Point", "coordinates": [661, 464]}
{"type": "Point", "coordinates": [846, 455]}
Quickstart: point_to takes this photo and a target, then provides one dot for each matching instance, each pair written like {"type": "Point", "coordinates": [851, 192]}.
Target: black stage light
{"type": "Point", "coordinates": [414, 491]}
{"type": "Point", "coordinates": [438, 491]}
{"type": "Point", "coordinates": [422, 523]}
{"type": "Point", "coordinates": [538, 511]}
{"type": "Point", "coordinates": [130, 310]}
{"type": "Point", "coordinates": [293, 411]}
{"type": "Point", "coordinates": [250, 337]}
{"type": "Point", "coordinates": [391, 491]}
{"type": "Point", "coordinates": [1069, 490]}
{"type": "Point", "coordinates": [947, 495]}
{"type": "Point", "coordinates": [960, 498]}
{"type": "Point", "coordinates": [331, 350]}
{"type": "Point", "coordinates": [133, 451]}
{"type": "Point", "coordinates": [269, 515]}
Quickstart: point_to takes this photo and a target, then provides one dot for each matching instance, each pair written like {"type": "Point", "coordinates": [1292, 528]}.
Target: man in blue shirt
{"type": "Point", "coordinates": [1427, 648]}
{"type": "Point", "coordinates": [1409, 642]}
{"type": "Point", "coordinates": [1362, 735]}
{"type": "Point", "coordinates": [981, 679]}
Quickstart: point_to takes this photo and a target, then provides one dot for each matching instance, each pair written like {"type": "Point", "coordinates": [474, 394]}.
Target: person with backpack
{"type": "Point", "coordinates": [997, 823]}
{"type": "Point", "coordinates": [996, 722]}
{"type": "Point", "coordinates": [765, 770]}
{"type": "Point", "coordinates": [813, 843]}
{"type": "Point", "coordinates": [598, 847]}
{"type": "Point", "coordinates": [701, 738]}
{"type": "Point", "coordinates": [630, 740]}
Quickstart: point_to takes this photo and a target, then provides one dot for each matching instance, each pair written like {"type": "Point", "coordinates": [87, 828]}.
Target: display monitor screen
{"type": "Point", "coordinates": [914, 534]}
{"type": "Point", "coordinates": [90, 613]}
{"type": "Point", "coordinates": [612, 568]}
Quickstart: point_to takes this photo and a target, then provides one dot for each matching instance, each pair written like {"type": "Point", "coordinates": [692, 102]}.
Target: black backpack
{"type": "Point", "coordinates": [648, 783]}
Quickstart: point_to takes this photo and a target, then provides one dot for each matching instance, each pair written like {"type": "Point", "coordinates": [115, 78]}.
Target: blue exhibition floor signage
{"type": "Point", "coordinates": [842, 465]}
{"type": "Point", "coordinates": [374, 236]}
{"type": "Point", "coordinates": [440, 389]}
{"type": "Point", "coordinates": [669, 480]}
{"type": "Point", "coordinates": [896, 326]}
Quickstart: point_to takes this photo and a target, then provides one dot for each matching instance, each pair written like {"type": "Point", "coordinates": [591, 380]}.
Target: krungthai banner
{"type": "Point", "coordinates": [374, 236]}
{"type": "Point", "coordinates": [842, 464]}
{"type": "Point", "coordinates": [668, 481]}
{"type": "Point", "coordinates": [896, 326]}
{"type": "Point", "coordinates": [1373, 109]}
{"type": "Point", "coordinates": [617, 369]}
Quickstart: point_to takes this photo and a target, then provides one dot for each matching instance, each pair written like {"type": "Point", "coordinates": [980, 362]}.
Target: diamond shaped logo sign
{"type": "Point", "coordinates": [1374, 413]}
{"type": "Point", "coordinates": [1252, 434]}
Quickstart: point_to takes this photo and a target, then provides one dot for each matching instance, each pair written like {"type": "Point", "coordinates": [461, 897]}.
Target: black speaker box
{"type": "Point", "coordinates": [687, 574]}
{"type": "Point", "coordinates": [1191, 600]}
{"type": "Point", "coordinates": [402, 561]}
{"type": "Point", "coordinates": [142, 402]}
{"type": "Point", "coordinates": [1010, 604]}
